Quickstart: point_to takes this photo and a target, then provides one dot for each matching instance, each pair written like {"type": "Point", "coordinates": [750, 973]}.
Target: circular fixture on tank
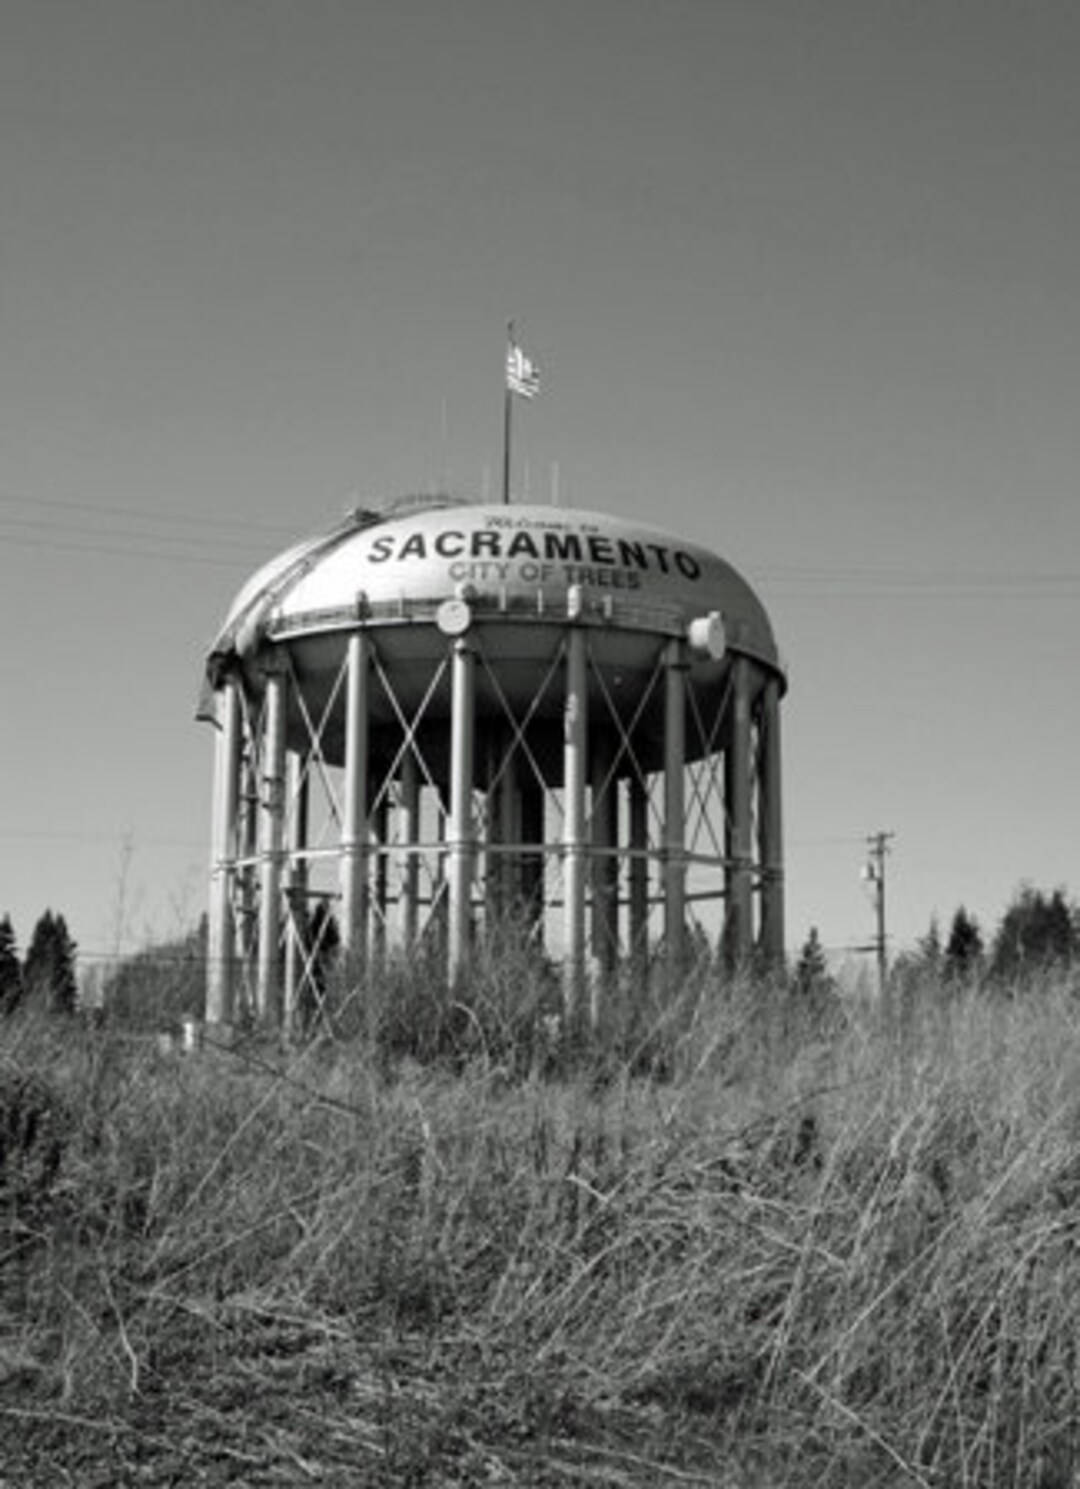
{"type": "Point", "coordinates": [453, 617]}
{"type": "Point", "coordinates": [595, 770]}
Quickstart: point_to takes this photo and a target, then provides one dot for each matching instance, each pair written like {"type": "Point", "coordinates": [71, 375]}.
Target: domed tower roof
{"type": "Point", "coordinates": [404, 561]}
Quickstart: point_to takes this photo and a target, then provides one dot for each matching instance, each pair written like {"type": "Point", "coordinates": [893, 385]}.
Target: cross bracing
{"type": "Point", "coordinates": [606, 792]}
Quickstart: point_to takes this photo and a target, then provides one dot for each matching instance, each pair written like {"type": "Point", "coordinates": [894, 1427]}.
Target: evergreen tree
{"type": "Point", "coordinates": [1036, 931]}
{"type": "Point", "coordinates": [812, 970]}
{"type": "Point", "coordinates": [11, 984]}
{"type": "Point", "coordinates": [814, 1002]}
{"type": "Point", "coordinates": [929, 949]}
{"type": "Point", "coordinates": [920, 967]}
{"type": "Point", "coordinates": [964, 948]}
{"type": "Point", "coordinates": [49, 966]}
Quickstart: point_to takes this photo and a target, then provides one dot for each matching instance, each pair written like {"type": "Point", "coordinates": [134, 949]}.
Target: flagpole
{"type": "Point", "coordinates": [507, 396]}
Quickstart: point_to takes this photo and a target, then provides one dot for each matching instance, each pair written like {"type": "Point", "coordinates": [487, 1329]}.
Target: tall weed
{"type": "Point", "coordinates": [837, 1241]}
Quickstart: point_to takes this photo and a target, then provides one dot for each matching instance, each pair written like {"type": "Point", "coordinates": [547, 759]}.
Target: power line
{"type": "Point", "coordinates": [830, 841]}
{"type": "Point", "coordinates": [160, 535]}
{"type": "Point", "coordinates": [112, 550]}
{"type": "Point", "coordinates": [44, 525]}
{"type": "Point", "coordinates": [921, 579]}
{"type": "Point", "coordinates": [50, 835]}
{"type": "Point", "coordinates": [192, 519]}
{"type": "Point", "coordinates": [211, 533]}
{"type": "Point", "coordinates": [944, 581]}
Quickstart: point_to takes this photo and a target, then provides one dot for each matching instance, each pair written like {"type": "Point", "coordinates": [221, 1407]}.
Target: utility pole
{"type": "Point", "coordinates": [874, 873]}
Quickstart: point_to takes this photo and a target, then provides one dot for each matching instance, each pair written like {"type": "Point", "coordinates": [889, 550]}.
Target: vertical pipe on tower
{"type": "Point", "coordinates": [675, 667]}
{"type": "Point", "coordinates": [638, 833]}
{"type": "Point", "coordinates": [739, 884]}
{"type": "Point", "coordinates": [380, 822]}
{"type": "Point", "coordinates": [271, 845]}
{"type": "Point", "coordinates": [221, 929]}
{"type": "Point", "coordinates": [355, 897]}
{"type": "Point", "coordinates": [605, 867]}
{"type": "Point", "coordinates": [296, 887]}
{"type": "Point", "coordinates": [460, 828]}
{"type": "Point", "coordinates": [409, 838]}
{"type": "Point", "coordinates": [510, 834]}
{"type": "Point", "coordinates": [531, 796]}
{"type": "Point", "coordinates": [246, 898]}
{"type": "Point", "coordinates": [440, 909]}
{"type": "Point", "coordinates": [575, 747]}
{"type": "Point", "coordinates": [494, 904]}
{"type": "Point", "coordinates": [770, 826]}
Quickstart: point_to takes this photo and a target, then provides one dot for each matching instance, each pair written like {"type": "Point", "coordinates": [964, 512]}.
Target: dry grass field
{"type": "Point", "coordinates": [801, 1249]}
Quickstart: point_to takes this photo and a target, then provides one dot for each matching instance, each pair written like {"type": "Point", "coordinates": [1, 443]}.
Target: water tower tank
{"type": "Point", "coordinates": [442, 720]}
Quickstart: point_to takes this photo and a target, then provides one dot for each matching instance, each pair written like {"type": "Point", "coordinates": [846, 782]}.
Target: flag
{"type": "Point", "coordinates": [522, 375]}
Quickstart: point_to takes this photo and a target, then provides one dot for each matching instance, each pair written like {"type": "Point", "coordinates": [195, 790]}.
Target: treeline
{"type": "Point", "coordinates": [151, 989]}
{"type": "Point", "coordinates": [1038, 932]}
{"type": "Point", "coordinates": [45, 976]}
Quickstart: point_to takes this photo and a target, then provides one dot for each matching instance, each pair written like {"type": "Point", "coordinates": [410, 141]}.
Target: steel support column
{"type": "Point", "coordinates": [532, 862]}
{"type": "Point", "coordinates": [575, 748]}
{"type": "Point", "coordinates": [494, 902]}
{"type": "Point", "coordinates": [271, 846]}
{"type": "Point", "coordinates": [605, 868]}
{"type": "Point", "coordinates": [639, 870]}
{"type": "Point", "coordinates": [770, 826]}
{"type": "Point", "coordinates": [355, 893]}
{"type": "Point", "coordinates": [739, 847]}
{"type": "Point", "coordinates": [296, 887]}
{"type": "Point", "coordinates": [221, 924]}
{"type": "Point", "coordinates": [460, 828]}
{"type": "Point", "coordinates": [380, 821]}
{"type": "Point", "coordinates": [510, 833]}
{"type": "Point", "coordinates": [675, 668]}
{"type": "Point", "coordinates": [245, 894]}
{"type": "Point", "coordinates": [408, 839]}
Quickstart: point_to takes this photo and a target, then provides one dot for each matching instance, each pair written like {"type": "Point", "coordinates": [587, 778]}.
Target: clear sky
{"type": "Point", "coordinates": [804, 283]}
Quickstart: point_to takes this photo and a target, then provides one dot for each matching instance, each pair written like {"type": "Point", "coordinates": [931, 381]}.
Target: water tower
{"type": "Point", "coordinates": [444, 721]}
